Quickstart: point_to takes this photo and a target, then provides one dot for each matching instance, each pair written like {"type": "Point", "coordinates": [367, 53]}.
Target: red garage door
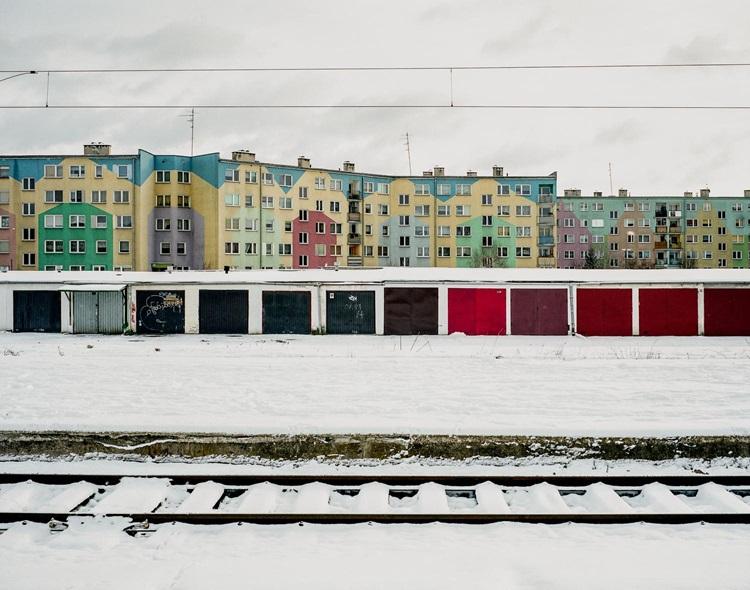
{"type": "Point", "coordinates": [604, 312]}
{"type": "Point", "coordinates": [476, 311]}
{"type": "Point", "coordinates": [668, 312]}
{"type": "Point", "coordinates": [539, 312]}
{"type": "Point", "coordinates": [726, 312]}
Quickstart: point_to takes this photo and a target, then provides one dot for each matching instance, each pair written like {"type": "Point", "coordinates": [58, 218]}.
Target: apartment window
{"type": "Point", "coordinates": [463, 210]}
{"type": "Point", "coordinates": [121, 197]}
{"type": "Point", "coordinates": [53, 171]}
{"type": "Point", "coordinates": [101, 246]}
{"type": "Point", "coordinates": [268, 226]}
{"type": "Point", "coordinates": [77, 221]}
{"type": "Point", "coordinates": [443, 210]}
{"type": "Point", "coordinates": [403, 220]}
{"type": "Point", "coordinates": [181, 248]}
{"type": "Point", "coordinates": [165, 248]}
{"type": "Point", "coordinates": [384, 188]}
{"type": "Point", "coordinates": [183, 177]}
{"type": "Point", "coordinates": [334, 206]}
{"type": "Point", "coordinates": [77, 172]}
{"type": "Point", "coordinates": [503, 231]}
{"type": "Point", "coordinates": [383, 251]}
{"type": "Point", "coordinates": [722, 231]}
{"type": "Point", "coordinates": [597, 206]}
{"type": "Point", "coordinates": [123, 247]}
{"type": "Point", "coordinates": [4, 197]}
{"type": "Point", "coordinates": [267, 178]}
{"type": "Point", "coordinates": [251, 177]}
{"type": "Point", "coordinates": [320, 227]}
{"type": "Point", "coordinates": [503, 189]}
{"type": "Point", "coordinates": [163, 176]}
{"type": "Point", "coordinates": [523, 252]}
{"type": "Point", "coordinates": [569, 254]}
{"type": "Point", "coordinates": [304, 237]}
{"type": "Point", "coordinates": [523, 189]}
{"type": "Point", "coordinates": [368, 250]}
{"type": "Point", "coordinates": [320, 182]}
{"type": "Point", "coordinates": [569, 222]}
{"type": "Point", "coordinates": [443, 251]}
{"type": "Point", "coordinates": [162, 224]}
{"type": "Point", "coordinates": [503, 210]}
{"type": "Point", "coordinates": [232, 200]}
{"type": "Point", "coordinates": [383, 209]}
{"type": "Point", "coordinates": [487, 200]}
{"type": "Point", "coordinates": [53, 196]}
{"type": "Point", "coordinates": [124, 222]}
{"type": "Point", "coordinates": [302, 192]}
{"type": "Point", "coordinates": [251, 225]}
{"type": "Point", "coordinates": [706, 206]}
{"type": "Point", "coordinates": [53, 221]}
{"type": "Point", "coordinates": [336, 228]}
{"type": "Point", "coordinates": [302, 260]}
{"type": "Point", "coordinates": [629, 222]}
{"type": "Point", "coordinates": [644, 239]}
{"type": "Point", "coordinates": [722, 246]}
{"type": "Point", "coordinates": [422, 231]}
{"type": "Point", "coordinates": [98, 171]}
{"type": "Point", "coordinates": [76, 196]}
{"type": "Point", "coordinates": [232, 224]}
{"type": "Point", "coordinates": [183, 201]}
{"type": "Point", "coordinates": [463, 231]}
{"type": "Point", "coordinates": [707, 239]}
{"type": "Point", "coordinates": [163, 200]}
{"type": "Point", "coordinates": [251, 248]}
{"type": "Point", "coordinates": [403, 199]}
{"type": "Point", "coordinates": [232, 175]}
{"type": "Point", "coordinates": [4, 222]}
{"type": "Point", "coordinates": [266, 202]}
{"type": "Point", "coordinates": [463, 190]}
{"type": "Point", "coordinates": [463, 251]}
{"type": "Point", "coordinates": [486, 241]}
{"type": "Point", "coordinates": [183, 224]}
{"type": "Point", "coordinates": [422, 210]}
{"type": "Point", "coordinates": [28, 209]}
{"type": "Point", "coordinates": [368, 229]}
{"type": "Point", "coordinates": [77, 246]}
{"type": "Point", "coordinates": [737, 255]}
{"type": "Point", "coordinates": [285, 249]}
{"type": "Point", "coordinates": [123, 171]}
{"type": "Point", "coordinates": [443, 231]}
{"type": "Point", "coordinates": [523, 210]}
{"type": "Point", "coordinates": [29, 259]}
{"type": "Point", "coordinates": [53, 246]}
{"type": "Point", "coordinates": [29, 234]}
{"type": "Point", "coordinates": [583, 239]}
{"type": "Point", "coordinates": [443, 189]}
{"type": "Point", "coordinates": [502, 252]}
{"type": "Point", "coordinates": [422, 189]}
{"type": "Point", "coordinates": [403, 241]}
{"type": "Point", "coordinates": [231, 248]}
{"type": "Point", "coordinates": [423, 252]}
{"type": "Point", "coordinates": [285, 202]}
{"type": "Point", "coordinates": [523, 231]}
{"type": "Point", "coordinates": [569, 238]}
{"type": "Point", "coordinates": [285, 180]}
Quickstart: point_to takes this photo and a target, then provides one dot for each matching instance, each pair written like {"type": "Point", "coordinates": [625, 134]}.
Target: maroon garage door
{"type": "Point", "coordinates": [668, 312]}
{"type": "Point", "coordinates": [604, 312]}
{"type": "Point", "coordinates": [476, 311]}
{"type": "Point", "coordinates": [411, 311]}
{"type": "Point", "coordinates": [539, 312]}
{"type": "Point", "coordinates": [726, 312]}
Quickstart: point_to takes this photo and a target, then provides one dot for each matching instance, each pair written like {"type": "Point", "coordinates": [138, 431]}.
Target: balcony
{"type": "Point", "coordinates": [546, 220]}
{"type": "Point", "coordinates": [354, 261]}
{"type": "Point", "coordinates": [354, 216]}
{"type": "Point", "coordinates": [546, 198]}
{"type": "Point", "coordinates": [353, 193]}
{"type": "Point", "coordinates": [354, 238]}
{"type": "Point", "coordinates": [546, 240]}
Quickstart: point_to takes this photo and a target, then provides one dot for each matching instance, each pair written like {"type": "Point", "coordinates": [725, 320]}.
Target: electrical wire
{"type": "Point", "coordinates": [374, 106]}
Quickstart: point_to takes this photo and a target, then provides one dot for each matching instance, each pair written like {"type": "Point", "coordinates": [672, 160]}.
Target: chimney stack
{"type": "Point", "coordinates": [348, 166]}
{"type": "Point", "coordinates": [497, 171]}
{"type": "Point", "coordinates": [572, 192]}
{"type": "Point", "coordinates": [705, 192]}
{"type": "Point", "coordinates": [303, 162]}
{"type": "Point", "coordinates": [243, 156]}
{"type": "Point", "coordinates": [438, 171]}
{"type": "Point", "coordinates": [97, 149]}
{"type": "Point", "coordinates": [623, 192]}
{"type": "Point", "coordinates": [471, 173]}
{"type": "Point", "coordinates": [747, 192]}
{"type": "Point", "coordinates": [597, 193]}
{"type": "Point", "coordinates": [427, 173]}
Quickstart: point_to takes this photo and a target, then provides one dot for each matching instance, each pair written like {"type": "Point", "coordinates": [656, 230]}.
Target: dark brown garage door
{"type": "Point", "coordinates": [411, 310]}
{"type": "Point", "coordinates": [539, 312]}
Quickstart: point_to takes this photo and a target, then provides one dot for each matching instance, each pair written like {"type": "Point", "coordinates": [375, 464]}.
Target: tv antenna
{"type": "Point", "coordinates": [191, 119]}
{"type": "Point", "coordinates": [611, 188]}
{"type": "Point", "coordinates": [408, 150]}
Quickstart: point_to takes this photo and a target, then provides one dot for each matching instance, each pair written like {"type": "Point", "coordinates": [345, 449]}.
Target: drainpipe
{"type": "Point", "coordinates": [136, 225]}
{"type": "Point", "coordinates": [260, 216]}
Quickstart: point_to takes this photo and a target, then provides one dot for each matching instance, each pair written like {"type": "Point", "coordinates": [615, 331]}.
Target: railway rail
{"type": "Point", "coordinates": [150, 501]}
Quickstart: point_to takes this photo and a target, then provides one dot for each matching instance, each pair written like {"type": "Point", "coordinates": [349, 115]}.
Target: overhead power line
{"type": "Point", "coordinates": [387, 68]}
{"type": "Point", "coordinates": [377, 106]}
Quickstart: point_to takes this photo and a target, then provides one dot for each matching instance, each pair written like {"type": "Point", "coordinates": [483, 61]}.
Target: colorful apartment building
{"type": "Point", "coordinates": [149, 212]}
{"type": "Point", "coordinates": [626, 231]}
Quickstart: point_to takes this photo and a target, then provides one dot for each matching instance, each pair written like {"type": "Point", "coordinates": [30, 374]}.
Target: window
{"type": "Point", "coordinates": [523, 189]}
{"type": "Point", "coordinates": [123, 247]}
{"type": "Point", "coordinates": [629, 222]}
{"type": "Point", "coordinates": [569, 222]}
{"type": "Point", "coordinates": [4, 222]}
{"type": "Point", "coordinates": [302, 192]}
{"type": "Point", "coordinates": [304, 237]}
{"type": "Point", "coordinates": [463, 231]}
{"type": "Point", "coordinates": [183, 201]}
{"type": "Point", "coordinates": [302, 260]}
{"type": "Point", "coordinates": [285, 249]}
{"type": "Point", "coordinates": [443, 252]}
{"type": "Point", "coordinates": [502, 252]}
{"type": "Point", "coordinates": [334, 207]}
{"type": "Point", "coordinates": [163, 176]}
{"type": "Point", "coordinates": [569, 238]}
{"type": "Point", "coordinates": [368, 251]}
{"type": "Point", "coordinates": [28, 209]}
{"type": "Point", "coordinates": [319, 205]}
{"type": "Point", "coordinates": [737, 255]}
{"type": "Point", "coordinates": [288, 226]}
{"type": "Point", "coordinates": [53, 221]}
{"type": "Point", "coordinates": [251, 177]}
{"type": "Point", "coordinates": [422, 231]}
{"type": "Point", "coordinates": [267, 249]}
{"type": "Point", "coordinates": [183, 177]}
{"type": "Point", "coordinates": [29, 234]}
{"type": "Point", "coordinates": [121, 197]}
{"type": "Point", "coordinates": [266, 202]}
{"type": "Point", "coordinates": [443, 189]}
{"type": "Point", "coordinates": [707, 239]}
{"type": "Point", "coordinates": [523, 231]}
{"type": "Point", "coordinates": [463, 210]}
{"type": "Point", "coordinates": [320, 227]}
{"type": "Point", "coordinates": [443, 210]}
{"type": "Point", "coordinates": [335, 184]}
{"type": "Point", "coordinates": [162, 224]}
{"type": "Point", "coordinates": [422, 210]}
{"type": "Point", "coordinates": [403, 199]}
{"type": "Point", "coordinates": [320, 182]}
{"type": "Point", "coordinates": [77, 172]}
{"type": "Point", "coordinates": [614, 230]}
{"type": "Point", "coordinates": [29, 259]}
{"type": "Point", "coordinates": [183, 224]}
{"type": "Point", "coordinates": [706, 206]}
{"type": "Point", "coordinates": [251, 248]}
{"type": "Point", "coordinates": [303, 215]}
{"type": "Point", "coordinates": [403, 220]}
{"type": "Point", "coordinates": [53, 247]}
{"type": "Point", "coordinates": [423, 252]}
{"type": "Point", "coordinates": [368, 229]}
{"type": "Point", "coordinates": [487, 200]}
{"type": "Point", "coordinates": [267, 178]}
{"type": "Point", "coordinates": [503, 210]}
{"type": "Point", "coordinates": [124, 222]}
{"type": "Point", "coordinates": [443, 231]}
{"type": "Point", "coordinates": [597, 206]}
{"type": "Point", "coordinates": [163, 200]}
{"type": "Point", "coordinates": [123, 171]}
{"type": "Point", "coordinates": [53, 171]}
{"type": "Point", "coordinates": [76, 221]}
{"type": "Point", "coordinates": [76, 196]}
{"type": "Point", "coordinates": [77, 246]}
{"type": "Point", "coordinates": [383, 251]}
{"type": "Point", "coordinates": [503, 189]}
{"type": "Point", "coordinates": [384, 188]}
{"type": "Point", "coordinates": [382, 209]}
{"type": "Point", "coordinates": [722, 214]}
{"type": "Point", "coordinates": [232, 224]}
{"type": "Point", "coordinates": [181, 248]}
{"type": "Point", "coordinates": [486, 241]}
{"type": "Point", "coordinates": [98, 171]}
{"type": "Point", "coordinates": [165, 248]}
{"type": "Point", "coordinates": [523, 210]}
{"type": "Point", "coordinates": [403, 241]}
{"type": "Point", "coordinates": [336, 228]}
{"type": "Point", "coordinates": [101, 246]}
{"type": "Point", "coordinates": [422, 189]}
{"type": "Point", "coordinates": [268, 226]}
{"type": "Point", "coordinates": [285, 180]}
{"type": "Point", "coordinates": [285, 202]}
{"type": "Point", "coordinates": [503, 231]}
{"type": "Point", "coordinates": [463, 190]}
{"type": "Point", "coordinates": [53, 196]}
{"type": "Point", "coordinates": [644, 239]}
{"type": "Point", "coordinates": [523, 252]}
{"type": "Point", "coordinates": [251, 224]}
{"type": "Point", "coordinates": [232, 175]}
{"type": "Point", "coordinates": [583, 239]}
{"type": "Point", "coordinates": [232, 248]}
{"type": "Point", "coordinates": [232, 200]}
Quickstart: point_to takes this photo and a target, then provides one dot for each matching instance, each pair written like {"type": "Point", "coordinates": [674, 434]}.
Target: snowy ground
{"type": "Point", "coordinates": [508, 556]}
{"type": "Point", "coordinates": [436, 385]}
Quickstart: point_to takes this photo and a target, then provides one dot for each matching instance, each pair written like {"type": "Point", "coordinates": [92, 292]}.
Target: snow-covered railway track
{"type": "Point", "coordinates": [273, 499]}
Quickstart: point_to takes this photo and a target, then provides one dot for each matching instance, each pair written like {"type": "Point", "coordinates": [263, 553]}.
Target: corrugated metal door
{"type": "Point", "coordinates": [161, 312]}
{"type": "Point", "coordinates": [112, 318]}
{"type": "Point", "coordinates": [604, 312]}
{"type": "Point", "coordinates": [411, 310]}
{"type": "Point", "coordinates": [476, 312]}
{"type": "Point", "coordinates": [223, 312]}
{"type": "Point", "coordinates": [539, 312]}
{"type": "Point", "coordinates": [286, 312]}
{"type": "Point", "coordinates": [36, 311]}
{"type": "Point", "coordinates": [350, 312]}
{"type": "Point", "coordinates": [668, 312]}
{"type": "Point", "coordinates": [98, 312]}
{"type": "Point", "coordinates": [726, 312]}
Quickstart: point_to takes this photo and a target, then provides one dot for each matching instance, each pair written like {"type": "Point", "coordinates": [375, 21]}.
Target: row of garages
{"type": "Point", "coordinates": [589, 310]}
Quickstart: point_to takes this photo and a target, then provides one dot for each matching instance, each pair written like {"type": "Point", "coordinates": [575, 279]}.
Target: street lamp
{"type": "Point", "coordinates": [19, 74]}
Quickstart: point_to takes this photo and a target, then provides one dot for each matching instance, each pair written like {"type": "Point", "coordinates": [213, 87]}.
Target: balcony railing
{"type": "Point", "coordinates": [546, 198]}
{"type": "Point", "coordinates": [354, 216]}
{"type": "Point", "coordinates": [546, 220]}
{"type": "Point", "coordinates": [546, 240]}
{"type": "Point", "coordinates": [354, 238]}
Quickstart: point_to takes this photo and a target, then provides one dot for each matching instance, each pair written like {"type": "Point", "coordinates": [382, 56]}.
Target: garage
{"type": "Point", "coordinates": [726, 312]}
{"type": "Point", "coordinates": [286, 312]}
{"type": "Point", "coordinates": [223, 312]}
{"type": "Point", "coordinates": [668, 312]}
{"type": "Point", "coordinates": [350, 312]}
{"type": "Point", "coordinates": [411, 310]}
{"type": "Point", "coordinates": [36, 311]}
{"type": "Point", "coordinates": [476, 312]}
{"type": "Point", "coordinates": [539, 312]}
{"type": "Point", "coordinates": [604, 312]}
{"type": "Point", "coordinates": [98, 310]}
{"type": "Point", "coordinates": [160, 312]}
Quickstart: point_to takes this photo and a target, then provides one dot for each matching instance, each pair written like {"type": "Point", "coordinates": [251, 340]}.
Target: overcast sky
{"type": "Point", "coordinates": [652, 152]}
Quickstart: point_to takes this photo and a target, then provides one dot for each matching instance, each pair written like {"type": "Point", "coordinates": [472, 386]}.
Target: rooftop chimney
{"type": "Point", "coordinates": [303, 162]}
{"type": "Point", "coordinates": [439, 171]}
{"type": "Point", "coordinates": [572, 192]}
{"type": "Point", "coordinates": [705, 192]}
{"type": "Point", "coordinates": [427, 173]}
{"type": "Point", "coordinates": [747, 192]}
{"type": "Point", "coordinates": [471, 173]}
{"type": "Point", "coordinates": [96, 149]}
{"type": "Point", "coordinates": [348, 166]}
{"type": "Point", "coordinates": [243, 156]}
{"type": "Point", "coordinates": [597, 193]}
{"type": "Point", "coordinates": [497, 171]}
{"type": "Point", "coordinates": [623, 192]}
{"type": "Point", "coordinates": [687, 194]}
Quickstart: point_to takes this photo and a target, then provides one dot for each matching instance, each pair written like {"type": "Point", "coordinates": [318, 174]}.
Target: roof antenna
{"type": "Point", "coordinates": [611, 188]}
{"type": "Point", "coordinates": [408, 150]}
{"type": "Point", "coordinates": [191, 119]}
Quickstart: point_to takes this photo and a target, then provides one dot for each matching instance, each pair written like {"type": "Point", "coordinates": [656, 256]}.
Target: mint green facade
{"type": "Point", "coordinates": [94, 238]}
